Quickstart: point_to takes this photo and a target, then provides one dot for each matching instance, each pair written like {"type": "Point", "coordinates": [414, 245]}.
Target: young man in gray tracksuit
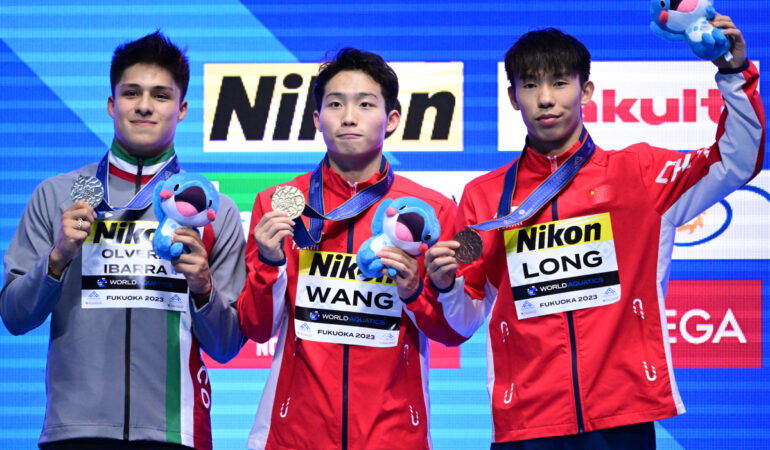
{"type": "Point", "coordinates": [124, 365]}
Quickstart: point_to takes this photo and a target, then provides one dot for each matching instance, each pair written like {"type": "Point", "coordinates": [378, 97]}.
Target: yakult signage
{"type": "Point", "coordinates": [670, 104]}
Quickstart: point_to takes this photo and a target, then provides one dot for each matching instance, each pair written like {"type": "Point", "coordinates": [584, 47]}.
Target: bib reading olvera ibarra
{"type": "Point", "coordinates": [336, 304]}
{"type": "Point", "coordinates": [120, 269]}
{"type": "Point", "coordinates": [563, 265]}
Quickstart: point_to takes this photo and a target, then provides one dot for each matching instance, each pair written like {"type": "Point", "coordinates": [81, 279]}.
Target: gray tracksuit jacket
{"type": "Point", "coordinates": [131, 374]}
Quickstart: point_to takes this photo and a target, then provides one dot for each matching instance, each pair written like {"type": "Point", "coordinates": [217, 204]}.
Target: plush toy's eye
{"type": "Point", "coordinates": [401, 208]}
{"type": "Point", "coordinates": [662, 4]}
{"type": "Point", "coordinates": [427, 237]}
{"type": "Point", "coordinates": [210, 202]}
{"type": "Point", "coordinates": [176, 188]}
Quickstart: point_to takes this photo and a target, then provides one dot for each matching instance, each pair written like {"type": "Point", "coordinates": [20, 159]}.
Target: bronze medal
{"type": "Point", "coordinates": [471, 245]}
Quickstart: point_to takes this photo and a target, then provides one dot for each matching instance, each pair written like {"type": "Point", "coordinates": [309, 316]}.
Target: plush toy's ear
{"type": "Point", "coordinates": [669, 36]}
{"type": "Point", "coordinates": [156, 202]}
{"type": "Point", "coordinates": [379, 216]}
{"type": "Point", "coordinates": [710, 12]}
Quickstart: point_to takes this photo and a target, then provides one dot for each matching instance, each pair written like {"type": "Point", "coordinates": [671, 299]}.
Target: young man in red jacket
{"type": "Point", "coordinates": [350, 367]}
{"type": "Point", "coordinates": [575, 267]}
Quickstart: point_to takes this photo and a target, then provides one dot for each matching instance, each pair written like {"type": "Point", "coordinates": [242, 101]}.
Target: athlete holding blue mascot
{"type": "Point", "coordinates": [573, 360]}
{"type": "Point", "coordinates": [124, 366]}
{"type": "Point", "coordinates": [688, 20]}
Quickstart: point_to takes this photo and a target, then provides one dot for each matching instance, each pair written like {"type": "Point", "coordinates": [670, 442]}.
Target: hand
{"type": "Point", "coordinates": [270, 233]}
{"type": "Point", "coordinates": [407, 270]}
{"type": "Point", "coordinates": [74, 228]}
{"type": "Point", "coordinates": [737, 44]}
{"type": "Point", "coordinates": [440, 263]}
{"type": "Point", "coordinates": [194, 265]}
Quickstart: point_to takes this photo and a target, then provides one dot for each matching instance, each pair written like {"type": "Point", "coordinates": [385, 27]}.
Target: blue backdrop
{"type": "Point", "coordinates": [54, 83]}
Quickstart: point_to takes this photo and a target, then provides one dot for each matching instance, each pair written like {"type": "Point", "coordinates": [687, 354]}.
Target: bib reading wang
{"type": "Point", "coordinates": [336, 304]}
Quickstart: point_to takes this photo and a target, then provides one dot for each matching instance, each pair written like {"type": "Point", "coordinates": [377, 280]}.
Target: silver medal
{"type": "Point", "coordinates": [88, 189]}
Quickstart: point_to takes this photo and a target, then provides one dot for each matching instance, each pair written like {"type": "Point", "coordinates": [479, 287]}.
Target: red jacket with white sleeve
{"type": "Point", "coordinates": [332, 395]}
{"type": "Point", "coordinates": [609, 365]}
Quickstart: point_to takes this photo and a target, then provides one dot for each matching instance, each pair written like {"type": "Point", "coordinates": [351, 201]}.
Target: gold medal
{"type": "Point", "coordinates": [288, 199]}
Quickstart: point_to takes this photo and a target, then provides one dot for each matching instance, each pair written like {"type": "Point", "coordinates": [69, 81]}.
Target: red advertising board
{"type": "Point", "coordinates": [710, 323]}
{"type": "Point", "coordinates": [715, 323]}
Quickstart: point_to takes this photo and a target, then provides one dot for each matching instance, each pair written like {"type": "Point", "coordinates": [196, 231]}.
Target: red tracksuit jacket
{"type": "Point", "coordinates": [328, 395]}
{"type": "Point", "coordinates": [610, 365]}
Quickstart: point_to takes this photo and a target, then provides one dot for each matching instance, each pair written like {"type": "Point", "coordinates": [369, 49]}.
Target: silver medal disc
{"type": "Point", "coordinates": [88, 189]}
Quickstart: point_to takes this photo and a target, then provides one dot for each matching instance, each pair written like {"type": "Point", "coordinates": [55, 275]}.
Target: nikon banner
{"type": "Point", "coordinates": [269, 108]}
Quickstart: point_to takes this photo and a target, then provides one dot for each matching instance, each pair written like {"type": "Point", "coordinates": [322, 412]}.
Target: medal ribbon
{"type": "Point", "coordinates": [543, 194]}
{"type": "Point", "coordinates": [351, 208]}
{"type": "Point", "coordinates": [143, 198]}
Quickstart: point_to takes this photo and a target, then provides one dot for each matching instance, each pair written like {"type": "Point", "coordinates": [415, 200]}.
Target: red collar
{"type": "Point", "coordinates": [539, 162]}
{"type": "Point", "coordinates": [333, 180]}
{"type": "Point", "coordinates": [128, 176]}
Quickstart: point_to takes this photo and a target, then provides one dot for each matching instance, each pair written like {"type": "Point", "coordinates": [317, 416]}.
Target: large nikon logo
{"type": "Point", "coordinates": [269, 107]}
{"type": "Point", "coordinates": [549, 236]}
{"type": "Point", "coordinates": [341, 266]}
{"type": "Point", "coordinates": [126, 233]}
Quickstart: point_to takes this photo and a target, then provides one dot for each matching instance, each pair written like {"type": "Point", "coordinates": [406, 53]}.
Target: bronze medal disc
{"type": "Point", "coordinates": [471, 246]}
{"type": "Point", "coordinates": [288, 199]}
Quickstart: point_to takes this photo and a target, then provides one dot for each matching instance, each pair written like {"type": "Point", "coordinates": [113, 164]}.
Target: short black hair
{"type": "Point", "coordinates": [547, 51]}
{"type": "Point", "coordinates": [155, 48]}
{"type": "Point", "coordinates": [370, 63]}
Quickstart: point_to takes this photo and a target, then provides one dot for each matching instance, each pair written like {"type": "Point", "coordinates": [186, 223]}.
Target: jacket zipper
{"type": "Point", "coordinates": [346, 357]}
{"type": "Point", "coordinates": [554, 163]}
{"type": "Point", "coordinates": [346, 347]}
{"type": "Point", "coordinates": [575, 384]}
{"type": "Point", "coordinates": [572, 343]}
{"type": "Point", "coordinates": [127, 362]}
{"type": "Point", "coordinates": [127, 356]}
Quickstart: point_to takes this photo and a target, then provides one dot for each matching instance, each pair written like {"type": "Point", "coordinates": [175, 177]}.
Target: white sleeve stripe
{"type": "Point", "coordinates": [666, 242]}
{"type": "Point", "coordinates": [279, 303]}
{"type": "Point", "coordinates": [465, 314]}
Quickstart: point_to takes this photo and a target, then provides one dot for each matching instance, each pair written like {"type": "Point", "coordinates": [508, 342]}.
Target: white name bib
{"type": "Point", "coordinates": [336, 304]}
{"type": "Point", "coordinates": [562, 266]}
{"type": "Point", "coordinates": [120, 269]}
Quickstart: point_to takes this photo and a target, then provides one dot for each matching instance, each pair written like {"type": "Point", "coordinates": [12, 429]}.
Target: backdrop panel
{"type": "Point", "coordinates": [457, 123]}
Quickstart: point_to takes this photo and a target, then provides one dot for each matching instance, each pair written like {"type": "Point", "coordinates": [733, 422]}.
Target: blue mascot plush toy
{"type": "Point", "coordinates": [407, 223]}
{"type": "Point", "coordinates": [183, 200]}
{"type": "Point", "coordinates": [687, 20]}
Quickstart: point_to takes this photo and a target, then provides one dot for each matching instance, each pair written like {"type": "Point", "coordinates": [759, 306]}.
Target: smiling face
{"type": "Point", "coordinates": [550, 106]}
{"type": "Point", "coordinates": [146, 107]}
{"type": "Point", "coordinates": [353, 119]}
